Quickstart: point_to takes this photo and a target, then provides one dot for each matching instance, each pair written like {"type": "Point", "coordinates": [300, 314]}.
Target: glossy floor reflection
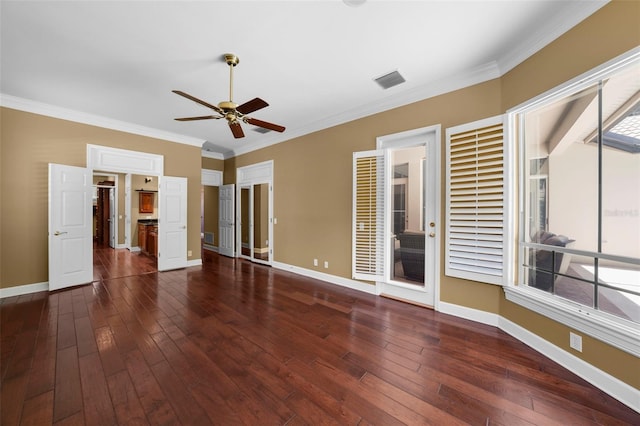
{"type": "Point", "coordinates": [236, 343]}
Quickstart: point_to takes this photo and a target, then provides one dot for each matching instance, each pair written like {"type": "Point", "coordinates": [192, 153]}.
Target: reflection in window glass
{"type": "Point", "coordinates": [581, 173]}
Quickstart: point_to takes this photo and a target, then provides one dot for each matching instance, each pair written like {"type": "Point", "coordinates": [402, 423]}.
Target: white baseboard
{"type": "Point", "coordinates": [332, 279]}
{"type": "Point", "coordinates": [194, 262]}
{"type": "Point", "coordinates": [23, 289]}
{"type": "Point", "coordinates": [617, 389]}
{"type": "Point", "coordinates": [210, 247]}
{"type": "Point", "coordinates": [469, 313]}
{"type": "Point", "coordinates": [134, 249]}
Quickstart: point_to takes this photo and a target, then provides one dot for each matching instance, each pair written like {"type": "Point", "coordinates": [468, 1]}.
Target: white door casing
{"type": "Point", "coordinates": [172, 220]}
{"type": "Point", "coordinates": [70, 226]}
{"type": "Point", "coordinates": [112, 216]}
{"type": "Point", "coordinates": [226, 220]}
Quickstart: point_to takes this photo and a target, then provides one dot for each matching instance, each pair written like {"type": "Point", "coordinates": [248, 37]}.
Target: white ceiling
{"type": "Point", "coordinates": [115, 63]}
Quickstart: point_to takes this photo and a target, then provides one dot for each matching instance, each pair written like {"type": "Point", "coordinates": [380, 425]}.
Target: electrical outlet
{"type": "Point", "coordinates": [326, 264]}
{"type": "Point", "coordinates": [575, 341]}
{"type": "Point", "coordinates": [315, 262]}
{"type": "Point", "coordinates": [189, 253]}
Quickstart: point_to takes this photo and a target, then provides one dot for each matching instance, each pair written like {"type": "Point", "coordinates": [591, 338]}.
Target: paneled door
{"type": "Point", "coordinates": [70, 226]}
{"type": "Point", "coordinates": [172, 229]}
{"type": "Point", "coordinates": [226, 220]}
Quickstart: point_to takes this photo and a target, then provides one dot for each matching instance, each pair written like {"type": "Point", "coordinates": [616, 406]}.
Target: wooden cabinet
{"type": "Point", "coordinates": [152, 240]}
{"type": "Point", "coordinates": [146, 202]}
{"type": "Point", "coordinates": [142, 237]}
{"type": "Point", "coordinates": [148, 238]}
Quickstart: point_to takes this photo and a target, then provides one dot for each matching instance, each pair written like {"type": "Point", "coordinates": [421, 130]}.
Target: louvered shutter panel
{"type": "Point", "coordinates": [475, 226]}
{"type": "Point", "coordinates": [368, 215]}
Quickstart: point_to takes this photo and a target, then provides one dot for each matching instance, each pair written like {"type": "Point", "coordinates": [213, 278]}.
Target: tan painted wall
{"type": "Point", "coordinates": [29, 142]}
{"type": "Point", "coordinates": [312, 182]}
{"type": "Point", "coordinates": [313, 175]}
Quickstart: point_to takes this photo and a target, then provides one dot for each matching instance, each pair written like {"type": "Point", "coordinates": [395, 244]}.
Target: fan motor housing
{"type": "Point", "coordinates": [227, 105]}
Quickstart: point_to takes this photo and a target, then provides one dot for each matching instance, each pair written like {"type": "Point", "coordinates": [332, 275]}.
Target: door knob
{"type": "Point", "coordinates": [432, 234]}
{"type": "Point", "coordinates": [59, 233]}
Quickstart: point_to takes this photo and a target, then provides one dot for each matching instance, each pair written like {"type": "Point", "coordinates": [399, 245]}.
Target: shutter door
{"type": "Point", "coordinates": [368, 215]}
{"type": "Point", "coordinates": [475, 236]}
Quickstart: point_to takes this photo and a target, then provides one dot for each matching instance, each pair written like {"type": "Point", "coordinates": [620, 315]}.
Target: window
{"type": "Point", "coordinates": [579, 186]}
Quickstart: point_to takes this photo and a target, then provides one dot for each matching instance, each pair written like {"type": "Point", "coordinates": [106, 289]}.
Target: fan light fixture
{"type": "Point", "coordinates": [231, 111]}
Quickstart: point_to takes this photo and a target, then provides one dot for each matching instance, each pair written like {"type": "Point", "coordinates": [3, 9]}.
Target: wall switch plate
{"type": "Point", "coordinates": [575, 341]}
{"type": "Point", "coordinates": [189, 253]}
{"type": "Point", "coordinates": [315, 262]}
{"type": "Point", "coordinates": [326, 264]}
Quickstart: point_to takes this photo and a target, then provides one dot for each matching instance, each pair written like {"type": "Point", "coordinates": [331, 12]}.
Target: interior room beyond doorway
{"type": "Point", "coordinates": [124, 230]}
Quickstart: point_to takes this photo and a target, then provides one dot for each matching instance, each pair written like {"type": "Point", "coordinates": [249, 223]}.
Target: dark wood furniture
{"type": "Point", "coordinates": [148, 238]}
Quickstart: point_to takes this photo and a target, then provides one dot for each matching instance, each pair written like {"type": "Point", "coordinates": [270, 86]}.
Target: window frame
{"type": "Point", "coordinates": [618, 332]}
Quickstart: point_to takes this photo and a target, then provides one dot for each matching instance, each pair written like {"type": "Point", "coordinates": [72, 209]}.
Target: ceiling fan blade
{"type": "Point", "coordinates": [201, 102]}
{"type": "Point", "coordinates": [265, 124]}
{"type": "Point", "coordinates": [251, 106]}
{"type": "Point", "coordinates": [236, 129]}
{"type": "Point", "coordinates": [204, 117]}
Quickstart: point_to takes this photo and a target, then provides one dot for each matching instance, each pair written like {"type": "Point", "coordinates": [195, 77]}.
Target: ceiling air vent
{"type": "Point", "coordinates": [389, 80]}
{"type": "Point", "coordinates": [261, 130]}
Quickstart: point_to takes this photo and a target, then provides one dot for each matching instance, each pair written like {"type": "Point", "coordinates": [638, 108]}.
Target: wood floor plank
{"type": "Point", "coordinates": [154, 402]}
{"type": "Point", "coordinates": [68, 389]}
{"type": "Point", "coordinates": [126, 404]}
{"type": "Point", "coordinates": [97, 404]}
{"type": "Point", "coordinates": [231, 342]}
{"type": "Point", "coordinates": [38, 410]}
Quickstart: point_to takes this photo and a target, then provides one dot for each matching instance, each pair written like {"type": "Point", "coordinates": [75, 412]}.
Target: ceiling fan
{"type": "Point", "coordinates": [233, 112]}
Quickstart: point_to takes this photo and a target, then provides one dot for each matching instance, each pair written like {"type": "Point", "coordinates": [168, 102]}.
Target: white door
{"type": "Point", "coordinates": [226, 219]}
{"type": "Point", "coordinates": [411, 218]}
{"type": "Point", "coordinates": [127, 211]}
{"type": "Point", "coordinates": [172, 223]}
{"type": "Point", "coordinates": [112, 218]}
{"type": "Point", "coordinates": [70, 226]}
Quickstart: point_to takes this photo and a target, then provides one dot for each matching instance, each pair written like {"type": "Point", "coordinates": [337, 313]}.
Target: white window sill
{"type": "Point", "coordinates": [620, 333]}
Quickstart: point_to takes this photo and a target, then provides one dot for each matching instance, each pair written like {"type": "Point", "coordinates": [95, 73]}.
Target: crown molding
{"type": "Point", "coordinates": [448, 84]}
{"type": "Point", "coordinates": [27, 105]}
{"type": "Point", "coordinates": [214, 155]}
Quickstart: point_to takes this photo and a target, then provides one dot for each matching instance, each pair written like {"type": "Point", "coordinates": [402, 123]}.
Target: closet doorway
{"type": "Point", "coordinates": [254, 223]}
{"type": "Point", "coordinates": [254, 207]}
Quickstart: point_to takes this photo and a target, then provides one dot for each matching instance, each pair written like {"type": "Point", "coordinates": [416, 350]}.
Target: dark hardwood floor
{"type": "Point", "coordinates": [235, 343]}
